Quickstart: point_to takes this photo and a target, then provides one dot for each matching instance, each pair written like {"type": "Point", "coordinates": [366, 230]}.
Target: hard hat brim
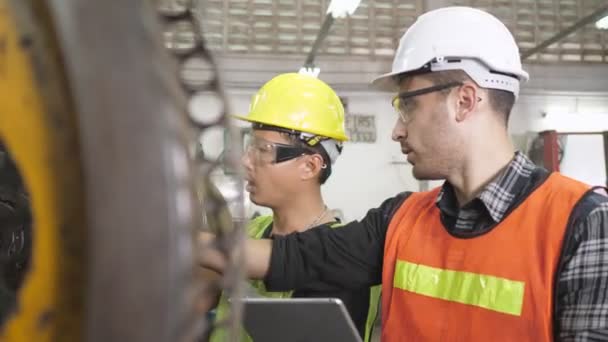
{"type": "Point", "coordinates": [386, 82]}
{"type": "Point", "coordinates": [240, 117]}
{"type": "Point", "coordinates": [332, 136]}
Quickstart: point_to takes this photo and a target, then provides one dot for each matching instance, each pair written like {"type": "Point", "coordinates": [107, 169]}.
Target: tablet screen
{"type": "Point", "coordinates": [298, 320]}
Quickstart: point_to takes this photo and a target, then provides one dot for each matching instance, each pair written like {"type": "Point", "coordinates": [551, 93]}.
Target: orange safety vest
{"type": "Point", "coordinates": [494, 287]}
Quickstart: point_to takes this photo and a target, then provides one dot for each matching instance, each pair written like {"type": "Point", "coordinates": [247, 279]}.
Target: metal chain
{"type": "Point", "coordinates": [198, 73]}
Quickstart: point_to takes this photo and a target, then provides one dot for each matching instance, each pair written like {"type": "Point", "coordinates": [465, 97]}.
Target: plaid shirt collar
{"type": "Point", "coordinates": [497, 197]}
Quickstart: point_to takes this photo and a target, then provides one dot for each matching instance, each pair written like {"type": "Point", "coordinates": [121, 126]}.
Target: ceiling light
{"type": "Point", "coordinates": [602, 24]}
{"type": "Point", "coordinates": [342, 8]}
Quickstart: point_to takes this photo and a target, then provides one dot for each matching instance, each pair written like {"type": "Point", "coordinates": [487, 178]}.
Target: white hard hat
{"type": "Point", "coordinates": [459, 38]}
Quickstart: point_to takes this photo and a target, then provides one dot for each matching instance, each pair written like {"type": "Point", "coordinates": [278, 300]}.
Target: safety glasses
{"type": "Point", "coordinates": [266, 152]}
{"type": "Point", "coordinates": [403, 103]}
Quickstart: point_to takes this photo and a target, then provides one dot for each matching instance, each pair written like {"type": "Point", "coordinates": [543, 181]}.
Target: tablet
{"type": "Point", "coordinates": [298, 320]}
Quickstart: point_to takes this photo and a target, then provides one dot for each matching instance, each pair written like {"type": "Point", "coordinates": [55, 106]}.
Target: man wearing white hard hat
{"type": "Point", "coordinates": [503, 250]}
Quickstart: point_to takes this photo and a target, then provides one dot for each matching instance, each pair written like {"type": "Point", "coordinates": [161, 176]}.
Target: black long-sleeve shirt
{"type": "Point", "coordinates": [357, 301]}
{"type": "Point", "coordinates": [351, 257]}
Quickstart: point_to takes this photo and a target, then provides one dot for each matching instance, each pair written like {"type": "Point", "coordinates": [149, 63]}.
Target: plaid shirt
{"type": "Point", "coordinates": [352, 256]}
{"type": "Point", "coordinates": [582, 288]}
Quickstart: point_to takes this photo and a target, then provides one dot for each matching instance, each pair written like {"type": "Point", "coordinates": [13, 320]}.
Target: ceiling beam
{"type": "Point", "coordinates": [593, 17]}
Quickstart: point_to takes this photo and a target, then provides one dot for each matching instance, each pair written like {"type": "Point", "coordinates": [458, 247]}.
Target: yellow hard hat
{"type": "Point", "coordinates": [299, 102]}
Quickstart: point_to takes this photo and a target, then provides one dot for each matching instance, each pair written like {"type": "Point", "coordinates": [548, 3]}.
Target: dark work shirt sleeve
{"type": "Point", "coordinates": [582, 287]}
{"type": "Point", "coordinates": [349, 257]}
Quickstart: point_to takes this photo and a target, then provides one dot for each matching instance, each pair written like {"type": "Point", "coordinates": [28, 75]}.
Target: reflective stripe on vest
{"type": "Point", "coordinates": [498, 286]}
{"type": "Point", "coordinates": [485, 291]}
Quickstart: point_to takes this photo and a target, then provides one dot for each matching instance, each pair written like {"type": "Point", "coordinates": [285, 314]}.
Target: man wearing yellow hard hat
{"type": "Point", "coordinates": [297, 134]}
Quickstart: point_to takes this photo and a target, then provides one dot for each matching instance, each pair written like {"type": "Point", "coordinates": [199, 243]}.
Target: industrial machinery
{"type": "Point", "coordinates": [100, 193]}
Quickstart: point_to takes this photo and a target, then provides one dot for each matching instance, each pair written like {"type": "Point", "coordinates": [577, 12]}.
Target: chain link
{"type": "Point", "coordinates": [198, 74]}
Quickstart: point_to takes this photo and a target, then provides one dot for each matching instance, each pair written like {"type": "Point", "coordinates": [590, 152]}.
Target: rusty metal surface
{"type": "Point", "coordinates": [550, 150]}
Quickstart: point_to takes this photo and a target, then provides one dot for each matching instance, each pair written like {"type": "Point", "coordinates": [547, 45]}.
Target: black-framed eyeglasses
{"type": "Point", "coordinates": [402, 106]}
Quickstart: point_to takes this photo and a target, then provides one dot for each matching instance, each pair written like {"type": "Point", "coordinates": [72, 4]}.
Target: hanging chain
{"type": "Point", "coordinates": [199, 76]}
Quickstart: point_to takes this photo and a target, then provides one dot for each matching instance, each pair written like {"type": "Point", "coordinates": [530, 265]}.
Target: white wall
{"type": "Point", "coordinates": [584, 154]}
{"type": "Point", "coordinates": [366, 174]}
{"type": "Point", "coordinates": [584, 159]}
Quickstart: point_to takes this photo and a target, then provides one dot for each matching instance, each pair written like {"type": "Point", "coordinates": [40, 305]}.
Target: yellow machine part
{"type": "Point", "coordinates": [38, 129]}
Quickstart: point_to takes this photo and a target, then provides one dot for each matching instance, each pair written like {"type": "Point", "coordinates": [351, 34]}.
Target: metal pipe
{"type": "Point", "coordinates": [329, 20]}
{"type": "Point", "coordinates": [595, 16]}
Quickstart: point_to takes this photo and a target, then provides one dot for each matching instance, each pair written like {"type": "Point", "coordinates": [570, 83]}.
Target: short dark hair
{"type": "Point", "coordinates": [501, 101]}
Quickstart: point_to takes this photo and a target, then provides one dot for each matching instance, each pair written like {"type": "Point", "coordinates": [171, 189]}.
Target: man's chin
{"type": "Point", "coordinates": [418, 175]}
{"type": "Point", "coordinates": [422, 175]}
{"type": "Point", "coordinates": [257, 201]}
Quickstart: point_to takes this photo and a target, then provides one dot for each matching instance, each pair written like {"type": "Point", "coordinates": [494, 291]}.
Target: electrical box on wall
{"type": "Point", "coordinates": [361, 128]}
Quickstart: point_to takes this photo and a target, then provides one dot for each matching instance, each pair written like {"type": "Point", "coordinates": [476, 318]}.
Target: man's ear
{"type": "Point", "coordinates": [467, 98]}
{"type": "Point", "coordinates": [313, 165]}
